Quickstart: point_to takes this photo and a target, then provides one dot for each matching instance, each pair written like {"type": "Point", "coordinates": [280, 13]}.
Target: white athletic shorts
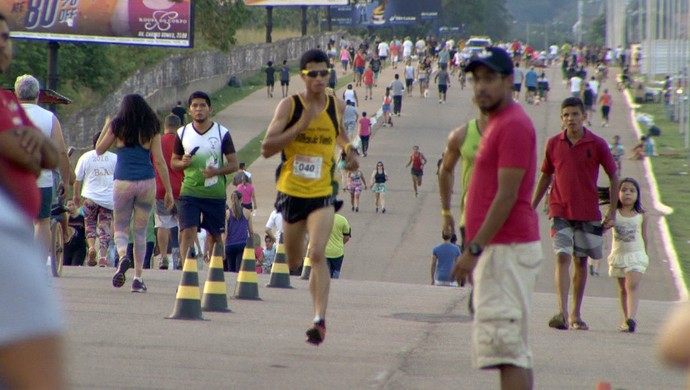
{"type": "Point", "coordinates": [503, 284]}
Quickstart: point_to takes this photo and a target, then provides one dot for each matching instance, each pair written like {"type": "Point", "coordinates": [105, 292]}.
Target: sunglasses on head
{"type": "Point", "coordinates": [314, 73]}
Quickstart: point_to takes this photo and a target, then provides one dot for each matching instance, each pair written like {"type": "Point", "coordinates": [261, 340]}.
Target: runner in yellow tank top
{"type": "Point", "coordinates": [307, 169]}
{"type": "Point", "coordinates": [306, 128]}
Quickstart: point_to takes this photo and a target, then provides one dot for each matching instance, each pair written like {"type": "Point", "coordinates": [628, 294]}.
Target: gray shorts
{"type": "Point", "coordinates": [164, 218]}
{"type": "Point", "coordinates": [577, 238]}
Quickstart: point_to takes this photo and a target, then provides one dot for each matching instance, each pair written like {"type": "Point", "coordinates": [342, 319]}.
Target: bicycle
{"type": "Point", "coordinates": [58, 219]}
{"type": "Point", "coordinates": [58, 228]}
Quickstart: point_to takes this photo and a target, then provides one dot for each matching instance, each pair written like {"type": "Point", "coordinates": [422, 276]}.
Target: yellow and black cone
{"type": "Point", "coordinates": [215, 291]}
{"type": "Point", "coordinates": [280, 272]}
{"type": "Point", "coordinates": [247, 286]}
{"type": "Point", "coordinates": [187, 302]}
{"type": "Point", "coordinates": [306, 268]}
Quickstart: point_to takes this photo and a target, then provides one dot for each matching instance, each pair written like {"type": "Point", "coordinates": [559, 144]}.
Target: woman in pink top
{"type": "Point", "coordinates": [245, 187]}
{"type": "Point", "coordinates": [364, 132]}
{"type": "Point", "coordinates": [345, 58]}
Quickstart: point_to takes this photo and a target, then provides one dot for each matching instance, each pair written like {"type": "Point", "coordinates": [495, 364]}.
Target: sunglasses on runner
{"type": "Point", "coordinates": [314, 73]}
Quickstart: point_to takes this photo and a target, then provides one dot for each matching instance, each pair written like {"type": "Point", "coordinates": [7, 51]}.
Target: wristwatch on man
{"type": "Point", "coordinates": [475, 249]}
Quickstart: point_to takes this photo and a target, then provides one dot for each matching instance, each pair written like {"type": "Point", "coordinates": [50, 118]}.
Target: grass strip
{"type": "Point", "coordinates": [672, 175]}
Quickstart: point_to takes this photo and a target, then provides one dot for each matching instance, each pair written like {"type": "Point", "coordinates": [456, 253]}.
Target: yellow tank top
{"type": "Point", "coordinates": [468, 150]}
{"type": "Point", "coordinates": [307, 167]}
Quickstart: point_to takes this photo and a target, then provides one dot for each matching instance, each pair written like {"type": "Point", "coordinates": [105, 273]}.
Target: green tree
{"type": "Point", "coordinates": [217, 21]}
{"type": "Point", "coordinates": [478, 17]}
{"type": "Point", "coordinates": [597, 31]}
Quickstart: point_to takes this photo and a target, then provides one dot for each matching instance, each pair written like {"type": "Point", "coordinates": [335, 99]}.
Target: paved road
{"type": "Point", "coordinates": [387, 328]}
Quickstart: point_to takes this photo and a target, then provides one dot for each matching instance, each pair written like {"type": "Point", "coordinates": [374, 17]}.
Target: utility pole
{"type": "Point", "coordinates": [269, 24]}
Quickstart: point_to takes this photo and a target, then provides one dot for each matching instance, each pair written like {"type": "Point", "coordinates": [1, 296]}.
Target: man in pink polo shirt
{"type": "Point", "coordinates": [573, 157]}
{"type": "Point", "coordinates": [501, 225]}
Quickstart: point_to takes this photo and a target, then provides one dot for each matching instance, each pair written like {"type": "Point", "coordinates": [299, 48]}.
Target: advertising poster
{"type": "Point", "coordinates": [136, 22]}
{"type": "Point", "coordinates": [385, 12]}
{"type": "Point", "coordinates": [279, 3]}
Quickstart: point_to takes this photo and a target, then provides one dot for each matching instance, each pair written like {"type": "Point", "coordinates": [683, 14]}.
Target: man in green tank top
{"type": "Point", "coordinates": [462, 144]}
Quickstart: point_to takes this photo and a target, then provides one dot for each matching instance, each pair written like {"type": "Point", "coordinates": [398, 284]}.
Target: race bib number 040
{"type": "Point", "coordinates": [308, 167]}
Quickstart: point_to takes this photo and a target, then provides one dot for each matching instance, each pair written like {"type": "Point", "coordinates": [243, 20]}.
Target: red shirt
{"type": "Point", "coordinates": [509, 141]}
{"type": "Point", "coordinates": [364, 127]}
{"type": "Point", "coordinates": [168, 144]}
{"type": "Point", "coordinates": [576, 171]}
{"type": "Point", "coordinates": [368, 77]}
{"type": "Point", "coordinates": [359, 60]}
{"type": "Point", "coordinates": [18, 183]}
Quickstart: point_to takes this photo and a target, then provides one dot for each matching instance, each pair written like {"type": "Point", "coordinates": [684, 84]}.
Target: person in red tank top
{"type": "Point", "coordinates": [417, 160]}
{"type": "Point", "coordinates": [167, 220]}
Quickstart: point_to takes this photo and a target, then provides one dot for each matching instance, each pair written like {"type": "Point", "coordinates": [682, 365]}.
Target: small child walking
{"type": "Point", "coordinates": [628, 259]}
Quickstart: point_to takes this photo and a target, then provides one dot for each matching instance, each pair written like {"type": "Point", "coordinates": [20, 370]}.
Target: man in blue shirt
{"type": "Point", "coordinates": [531, 84]}
{"type": "Point", "coordinates": [443, 260]}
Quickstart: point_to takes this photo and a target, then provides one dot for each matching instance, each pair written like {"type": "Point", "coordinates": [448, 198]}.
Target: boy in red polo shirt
{"type": "Point", "coordinates": [573, 157]}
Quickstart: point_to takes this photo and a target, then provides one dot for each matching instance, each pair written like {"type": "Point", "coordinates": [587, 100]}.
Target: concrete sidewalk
{"type": "Point", "coordinates": [380, 336]}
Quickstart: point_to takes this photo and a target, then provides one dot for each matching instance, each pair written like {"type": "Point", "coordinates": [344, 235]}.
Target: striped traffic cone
{"type": "Point", "coordinates": [215, 292]}
{"type": "Point", "coordinates": [306, 268]}
{"type": "Point", "coordinates": [247, 286]}
{"type": "Point", "coordinates": [187, 303]}
{"type": "Point", "coordinates": [280, 272]}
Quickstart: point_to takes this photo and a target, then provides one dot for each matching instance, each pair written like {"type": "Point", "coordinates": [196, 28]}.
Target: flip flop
{"type": "Point", "coordinates": [558, 322]}
{"type": "Point", "coordinates": [579, 325]}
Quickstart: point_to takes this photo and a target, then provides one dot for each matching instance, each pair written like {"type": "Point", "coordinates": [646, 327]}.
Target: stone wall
{"type": "Point", "coordinates": [175, 78]}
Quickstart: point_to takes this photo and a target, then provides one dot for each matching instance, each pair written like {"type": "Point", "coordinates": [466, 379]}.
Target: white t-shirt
{"type": "Point", "coordinates": [409, 72]}
{"type": "Point", "coordinates": [420, 45]}
{"type": "Point", "coordinates": [43, 120]}
{"type": "Point", "coordinates": [575, 83]}
{"type": "Point", "coordinates": [553, 49]}
{"type": "Point", "coordinates": [349, 96]}
{"type": "Point", "coordinates": [594, 85]}
{"type": "Point", "coordinates": [275, 221]}
{"type": "Point", "coordinates": [96, 174]}
{"type": "Point", "coordinates": [407, 48]}
{"type": "Point", "coordinates": [383, 49]}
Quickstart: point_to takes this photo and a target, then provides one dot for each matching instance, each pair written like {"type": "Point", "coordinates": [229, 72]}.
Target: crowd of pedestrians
{"type": "Point", "coordinates": [179, 173]}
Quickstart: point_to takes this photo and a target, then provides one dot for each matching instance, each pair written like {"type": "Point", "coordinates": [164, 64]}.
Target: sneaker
{"type": "Point", "coordinates": [119, 278]}
{"type": "Point", "coordinates": [383, 211]}
{"type": "Point", "coordinates": [317, 333]}
{"type": "Point", "coordinates": [102, 262]}
{"type": "Point", "coordinates": [138, 286]}
{"type": "Point", "coordinates": [92, 258]}
{"type": "Point", "coordinates": [377, 209]}
{"type": "Point", "coordinates": [164, 264]}
{"type": "Point", "coordinates": [631, 325]}
{"type": "Point", "coordinates": [356, 209]}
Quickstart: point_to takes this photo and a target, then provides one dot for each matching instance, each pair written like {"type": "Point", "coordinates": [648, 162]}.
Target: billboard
{"type": "Point", "coordinates": [385, 12]}
{"type": "Point", "coordinates": [278, 3]}
{"type": "Point", "coordinates": [135, 22]}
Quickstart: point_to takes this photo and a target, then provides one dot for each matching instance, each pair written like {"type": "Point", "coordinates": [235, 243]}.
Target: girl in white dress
{"type": "Point", "coordinates": [628, 259]}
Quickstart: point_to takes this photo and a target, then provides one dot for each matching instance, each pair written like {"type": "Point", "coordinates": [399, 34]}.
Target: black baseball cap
{"type": "Point", "coordinates": [493, 58]}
